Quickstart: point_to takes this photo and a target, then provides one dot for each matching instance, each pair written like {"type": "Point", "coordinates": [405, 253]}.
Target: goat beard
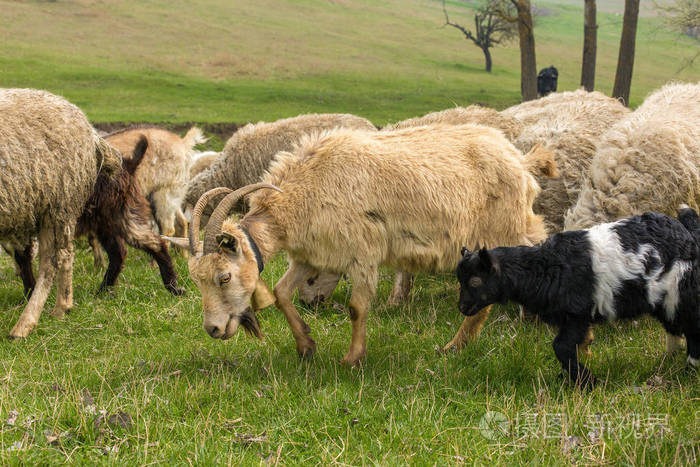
{"type": "Point", "coordinates": [250, 323]}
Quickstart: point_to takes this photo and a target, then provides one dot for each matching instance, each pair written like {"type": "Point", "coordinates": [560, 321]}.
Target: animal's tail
{"type": "Point", "coordinates": [109, 160]}
{"type": "Point", "coordinates": [690, 220]}
{"type": "Point", "coordinates": [194, 137]}
{"type": "Point", "coordinates": [540, 161]}
{"type": "Point", "coordinates": [132, 163]}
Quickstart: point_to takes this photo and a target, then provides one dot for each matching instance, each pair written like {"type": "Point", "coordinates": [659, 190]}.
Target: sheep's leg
{"type": "Point", "coordinates": [96, 250]}
{"type": "Point", "coordinates": [23, 260]}
{"type": "Point", "coordinates": [163, 212]}
{"type": "Point", "coordinates": [283, 295]}
{"type": "Point", "coordinates": [571, 335]}
{"type": "Point", "coordinates": [403, 283]}
{"type": "Point", "coordinates": [64, 282]}
{"type": "Point", "coordinates": [116, 253]}
{"type": "Point", "coordinates": [316, 288]}
{"type": "Point", "coordinates": [47, 269]}
{"type": "Point", "coordinates": [469, 330]}
{"type": "Point", "coordinates": [364, 285]}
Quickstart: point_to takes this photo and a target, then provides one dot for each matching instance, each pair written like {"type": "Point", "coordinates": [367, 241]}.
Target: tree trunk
{"type": "Point", "coordinates": [625, 61]}
{"type": "Point", "coordinates": [487, 57]}
{"type": "Point", "coordinates": [528, 64]}
{"type": "Point", "coordinates": [590, 32]}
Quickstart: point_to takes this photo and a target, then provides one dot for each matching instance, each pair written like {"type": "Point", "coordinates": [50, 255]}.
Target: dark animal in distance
{"type": "Point", "coordinates": [547, 81]}
{"type": "Point", "coordinates": [645, 264]}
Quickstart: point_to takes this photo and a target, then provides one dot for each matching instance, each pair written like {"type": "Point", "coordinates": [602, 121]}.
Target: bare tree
{"type": "Point", "coordinates": [528, 62]}
{"type": "Point", "coordinates": [625, 60]}
{"type": "Point", "coordinates": [490, 29]}
{"type": "Point", "coordinates": [590, 35]}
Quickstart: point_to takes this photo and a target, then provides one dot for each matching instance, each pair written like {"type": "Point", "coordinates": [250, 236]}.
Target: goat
{"type": "Point", "coordinates": [644, 264]}
{"type": "Point", "coordinates": [348, 201]}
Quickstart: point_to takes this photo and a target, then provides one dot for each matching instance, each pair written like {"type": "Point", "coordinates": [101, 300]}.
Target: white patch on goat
{"type": "Point", "coordinates": [667, 284]}
{"type": "Point", "coordinates": [612, 265]}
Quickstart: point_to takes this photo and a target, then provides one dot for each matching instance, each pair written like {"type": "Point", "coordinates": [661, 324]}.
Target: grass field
{"type": "Point", "coordinates": [213, 61]}
{"type": "Point", "coordinates": [132, 378]}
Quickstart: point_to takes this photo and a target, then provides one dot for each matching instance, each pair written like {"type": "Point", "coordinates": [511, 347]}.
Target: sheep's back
{"type": "Point", "coordinates": [649, 161]}
{"type": "Point", "coordinates": [248, 153]}
{"type": "Point", "coordinates": [48, 161]}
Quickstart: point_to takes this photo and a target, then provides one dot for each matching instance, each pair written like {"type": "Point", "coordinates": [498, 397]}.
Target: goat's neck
{"type": "Point", "coordinates": [265, 232]}
{"type": "Point", "coordinates": [523, 275]}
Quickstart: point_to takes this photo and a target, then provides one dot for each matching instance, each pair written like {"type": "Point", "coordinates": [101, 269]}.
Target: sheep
{"type": "Point", "coordinates": [202, 162]}
{"type": "Point", "coordinates": [476, 114]}
{"type": "Point", "coordinates": [248, 153]}
{"type": "Point", "coordinates": [569, 124]}
{"type": "Point", "coordinates": [116, 214]}
{"type": "Point", "coordinates": [644, 264]}
{"type": "Point", "coordinates": [164, 173]}
{"type": "Point", "coordinates": [50, 156]}
{"type": "Point", "coordinates": [648, 161]}
{"type": "Point", "coordinates": [348, 201]}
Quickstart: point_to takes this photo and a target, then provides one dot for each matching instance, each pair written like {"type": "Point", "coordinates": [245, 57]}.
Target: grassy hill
{"type": "Point", "coordinates": [214, 61]}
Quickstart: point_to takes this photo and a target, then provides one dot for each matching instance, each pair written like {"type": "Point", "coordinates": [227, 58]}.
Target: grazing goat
{"type": "Point", "coordinates": [164, 173]}
{"type": "Point", "coordinates": [349, 201]}
{"type": "Point", "coordinates": [645, 264]}
{"type": "Point", "coordinates": [50, 157]}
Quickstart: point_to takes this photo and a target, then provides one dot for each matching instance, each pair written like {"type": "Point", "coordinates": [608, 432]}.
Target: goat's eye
{"type": "Point", "coordinates": [224, 278]}
{"type": "Point", "coordinates": [475, 282]}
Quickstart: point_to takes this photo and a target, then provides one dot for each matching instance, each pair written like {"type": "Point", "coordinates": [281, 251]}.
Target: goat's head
{"type": "Point", "coordinates": [226, 267]}
{"type": "Point", "coordinates": [479, 278]}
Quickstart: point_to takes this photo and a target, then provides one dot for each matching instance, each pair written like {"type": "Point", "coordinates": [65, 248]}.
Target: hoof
{"type": "Point", "coordinates": [353, 360]}
{"type": "Point", "coordinates": [59, 314]}
{"type": "Point", "coordinates": [14, 338]}
{"type": "Point", "coordinates": [307, 350]}
{"type": "Point", "coordinates": [176, 290]}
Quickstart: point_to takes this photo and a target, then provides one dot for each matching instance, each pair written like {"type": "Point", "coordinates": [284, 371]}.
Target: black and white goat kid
{"type": "Point", "coordinates": [620, 270]}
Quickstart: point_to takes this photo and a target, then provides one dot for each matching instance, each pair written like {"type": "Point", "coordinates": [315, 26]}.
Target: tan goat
{"type": "Point", "coordinates": [349, 201]}
{"type": "Point", "coordinates": [164, 173]}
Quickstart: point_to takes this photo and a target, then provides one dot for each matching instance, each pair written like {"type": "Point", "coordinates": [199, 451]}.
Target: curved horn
{"type": "Point", "coordinates": [221, 212]}
{"type": "Point", "coordinates": [197, 215]}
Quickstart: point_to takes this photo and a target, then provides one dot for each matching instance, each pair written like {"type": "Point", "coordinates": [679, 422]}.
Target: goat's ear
{"type": "Point", "coordinates": [488, 260]}
{"type": "Point", "coordinates": [227, 241]}
{"type": "Point", "coordinates": [182, 243]}
{"type": "Point", "coordinates": [262, 296]}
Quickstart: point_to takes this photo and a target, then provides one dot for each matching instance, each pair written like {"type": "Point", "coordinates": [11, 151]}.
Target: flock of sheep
{"type": "Point", "coordinates": [338, 195]}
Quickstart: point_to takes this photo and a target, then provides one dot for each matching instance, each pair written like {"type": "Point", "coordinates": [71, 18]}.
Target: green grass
{"type": "Point", "coordinates": [213, 61]}
{"type": "Point", "coordinates": [193, 399]}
